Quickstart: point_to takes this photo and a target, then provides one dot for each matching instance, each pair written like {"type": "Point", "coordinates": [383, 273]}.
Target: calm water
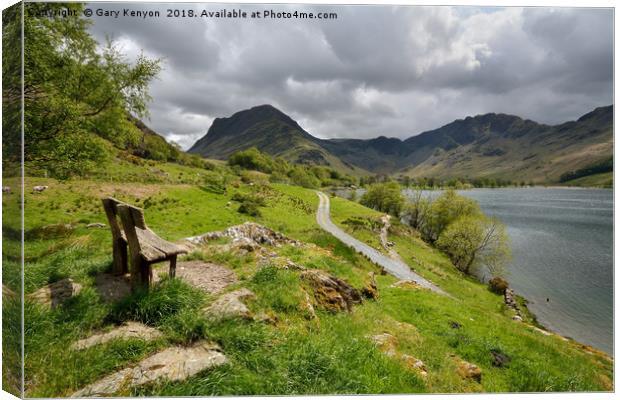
{"type": "Point", "coordinates": [562, 244]}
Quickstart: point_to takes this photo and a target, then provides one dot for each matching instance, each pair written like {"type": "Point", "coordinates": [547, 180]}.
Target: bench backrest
{"type": "Point", "coordinates": [110, 206]}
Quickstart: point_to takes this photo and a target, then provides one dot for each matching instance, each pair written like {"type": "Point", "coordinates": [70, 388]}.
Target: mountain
{"type": "Point", "coordinates": [271, 131]}
{"type": "Point", "coordinates": [490, 145]}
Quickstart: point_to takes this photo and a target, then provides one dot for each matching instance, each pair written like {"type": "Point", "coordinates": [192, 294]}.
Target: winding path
{"type": "Point", "coordinates": [395, 267]}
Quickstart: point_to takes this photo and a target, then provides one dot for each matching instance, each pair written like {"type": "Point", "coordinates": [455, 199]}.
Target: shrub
{"type": "Point", "coordinates": [250, 208]}
{"type": "Point", "coordinates": [498, 285]}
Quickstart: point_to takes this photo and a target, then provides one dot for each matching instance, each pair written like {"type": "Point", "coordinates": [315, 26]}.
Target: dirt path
{"type": "Point", "coordinates": [395, 267]}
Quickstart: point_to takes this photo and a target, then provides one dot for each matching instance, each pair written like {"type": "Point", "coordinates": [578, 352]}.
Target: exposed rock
{"type": "Point", "coordinates": [112, 288]}
{"type": "Point", "coordinates": [455, 325]}
{"type": "Point", "coordinates": [467, 370]}
{"type": "Point", "coordinates": [245, 233]}
{"type": "Point", "coordinates": [499, 359]}
{"type": "Point", "coordinates": [128, 330]}
{"type": "Point", "coordinates": [6, 189]}
{"type": "Point", "coordinates": [50, 231]}
{"type": "Point", "coordinates": [212, 278]}
{"type": "Point", "coordinates": [414, 364]}
{"type": "Point", "coordinates": [370, 289]}
{"type": "Point", "coordinates": [308, 307]}
{"type": "Point", "coordinates": [406, 284]}
{"type": "Point", "coordinates": [331, 293]}
{"type": "Point", "coordinates": [40, 188]}
{"type": "Point", "coordinates": [56, 293]}
{"type": "Point", "coordinates": [509, 299]}
{"type": "Point", "coordinates": [172, 364]}
{"type": "Point", "coordinates": [230, 305]}
{"type": "Point", "coordinates": [267, 318]}
{"type": "Point", "coordinates": [498, 285]}
{"type": "Point", "coordinates": [517, 318]}
{"type": "Point", "coordinates": [386, 342]}
{"type": "Point", "coordinates": [96, 225]}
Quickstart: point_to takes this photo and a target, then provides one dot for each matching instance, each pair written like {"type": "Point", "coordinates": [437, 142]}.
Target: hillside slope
{"type": "Point", "coordinates": [271, 131]}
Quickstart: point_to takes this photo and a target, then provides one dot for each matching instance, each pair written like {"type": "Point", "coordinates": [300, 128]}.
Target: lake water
{"type": "Point", "coordinates": [562, 246]}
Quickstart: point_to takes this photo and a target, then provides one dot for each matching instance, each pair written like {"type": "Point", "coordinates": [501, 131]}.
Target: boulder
{"type": "Point", "coordinates": [498, 285]}
{"type": "Point", "coordinates": [331, 293]}
{"type": "Point", "coordinates": [499, 359]}
{"type": "Point", "coordinates": [230, 305]}
{"type": "Point", "coordinates": [171, 364]}
{"type": "Point", "coordinates": [386, 342]}
{"type": "Point", "coordinates": [370, 290]}
{"type": "Point", "coordinates": [56, 293]}
{"type": "Point", "coordinates": [129, 330]}
{"type": "Point", "coordinates": [96, 225]}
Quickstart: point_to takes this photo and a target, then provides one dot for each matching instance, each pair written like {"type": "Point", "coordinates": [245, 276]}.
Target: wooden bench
{"type": "Point", "coordinates": [145, 247]}
{"type": "Point", "coordinates": [119, 241]}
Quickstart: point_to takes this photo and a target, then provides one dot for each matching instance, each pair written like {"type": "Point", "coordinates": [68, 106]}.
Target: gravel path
{"type": "Point", "coordinates": [395, 267]}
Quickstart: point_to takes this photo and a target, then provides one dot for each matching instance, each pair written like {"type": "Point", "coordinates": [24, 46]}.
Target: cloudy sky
{"type": "Point", "coordinates": [375, 70]}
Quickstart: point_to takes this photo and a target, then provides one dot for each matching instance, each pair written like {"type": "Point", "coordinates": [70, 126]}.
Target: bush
{"type": "Point", "coordinates": [385, 197]}
{"type": "Point", "coordinates": [252, 158]}
{"type": "Point", "coordinates": [250, 208]}
{"type": "Point", "coordinates": [434, 217]}
{"type": "Point", "coordinates": [498, 285]}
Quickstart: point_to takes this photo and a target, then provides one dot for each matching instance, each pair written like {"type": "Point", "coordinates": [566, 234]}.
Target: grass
{"type": "Point", "coordinates": [297, 354]}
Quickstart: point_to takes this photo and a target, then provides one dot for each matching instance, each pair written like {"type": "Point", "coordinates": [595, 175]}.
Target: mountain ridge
{"type": "Point", "coordinates": [485, 145]}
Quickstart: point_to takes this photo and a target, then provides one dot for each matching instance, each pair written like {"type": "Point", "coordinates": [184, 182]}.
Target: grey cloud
{"type": "Point", "coordinates": [376, 70]}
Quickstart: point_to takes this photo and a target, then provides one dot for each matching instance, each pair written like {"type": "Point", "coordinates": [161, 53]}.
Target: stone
{"type": "Point", "coordinates": [96, 225]}
{"type": "Point", "coordinates": [455, 325]}
{"type": "Point", "coordinates": [386, 342]}
{"type": "Point", "coordinates": [172, 364]}
{"type": "Point", "coordinates": [498, 285]}
{"type": "Point", "coordinates": [249, 233]}
{"type": "Point", "coordinates": [499, 359]}
{"type": "Point", "coordinates": [414, 364]}
{"type": "Point", "coordinates": [209, 277]}
{"type": "Point", "coordinates": [517, 318]}
{"type": "Point", "coordinates": [370, 290]}
{"type": "Point", "coordinates": [266, 318]}
{"type": "Point", "coordinates": [129, 330]}
{"type": "Point", "coordinates": [56, 293]}
{"type": "Point", "coordinates": [467, 370]}
{"type": "Point", "coordinates": [307, 307]}
{"type": "Point", "coordinates": [331, 293]}
{"type": "Point", "coordinates": [406, 284]}
{"type": "Point", "coordinates": [230, 305]}
{"type": "Point", "coordinates": [112, 288]}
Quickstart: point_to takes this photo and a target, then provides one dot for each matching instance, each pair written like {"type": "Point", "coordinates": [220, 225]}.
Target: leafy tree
{"type": "Point", "coordinates": [386, 197]}
{"type": "Point", "coordinates": [74, 90]}
{"type": "Point", "coordinates": [474, 242]}
{"type": "Point", "coordinates": [252, 158]}
{"type": "Point", "coordinates": [447, 208]}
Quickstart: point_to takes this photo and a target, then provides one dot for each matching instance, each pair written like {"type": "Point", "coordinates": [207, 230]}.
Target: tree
{"type": "Point", "coordinates": [474, 242]}
{"type": "Point", "coordinates": [386, 197]}
{"type": "Point", "coordinates": [444, 210]}
{"type": "Point", "coordinates": [74, 90]}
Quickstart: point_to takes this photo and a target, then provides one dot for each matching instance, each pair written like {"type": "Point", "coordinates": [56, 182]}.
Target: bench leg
{"type": "Point", "coordinates": [119, 257]}
{"type": "Point", "coordinates": [141, 274]}
{"type": "Point", "coordinates": [173, 266]}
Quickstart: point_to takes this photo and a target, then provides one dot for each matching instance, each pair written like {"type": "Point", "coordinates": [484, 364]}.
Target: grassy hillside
{"type": "Point", "coordinates": [295, 355]}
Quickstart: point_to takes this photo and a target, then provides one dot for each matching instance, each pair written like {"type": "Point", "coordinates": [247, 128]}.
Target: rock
{"type": "Point", "coordinates": [267, 318]}
{"type": "Point", "coordinates": [245, 233]}
{"type": "Point", "coordinates": [112, 288]}
{"type": "Point", "coordinates": [406, 284]}
{"type": "Point", "coordinates": [231, 306]}
{"type": "Point", "coordinates": [308, 307]}
{"type": "Point", "coordinates": [56, 293]}
{"type": "Point", "coordinates": [370, 289]}
{"type": "Point", "coordinates": [517, 318]}
{"type": "Point", "coordinates": [39, 189]}
{"type": "Point", "coordinates": [172, 364]}
{"type": "Point", "coordinates": [415, 364]}
{"type": "Point", "coordinates": [6, 189]}
{"type": "Point", "coordinates": [331, 293]}
{"type": "Point", "coordinates": [386, 342]}
{"type": "Point", "coordinates": [499, 359]}
{"type": "Point", "coordinates": [128, 330]}
{"type": "Point", "coordinates": [467, 370]}
{"type": "Point", "coordinates": [212, 278]}
{"type": "Point", "coordinates": [96, 225]}
{"type": "Point", "coordinates": [50, 231]}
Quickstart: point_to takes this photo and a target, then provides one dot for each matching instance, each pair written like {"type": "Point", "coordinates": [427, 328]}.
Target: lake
{"type": "Point", "coordinates": [562, 246]}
